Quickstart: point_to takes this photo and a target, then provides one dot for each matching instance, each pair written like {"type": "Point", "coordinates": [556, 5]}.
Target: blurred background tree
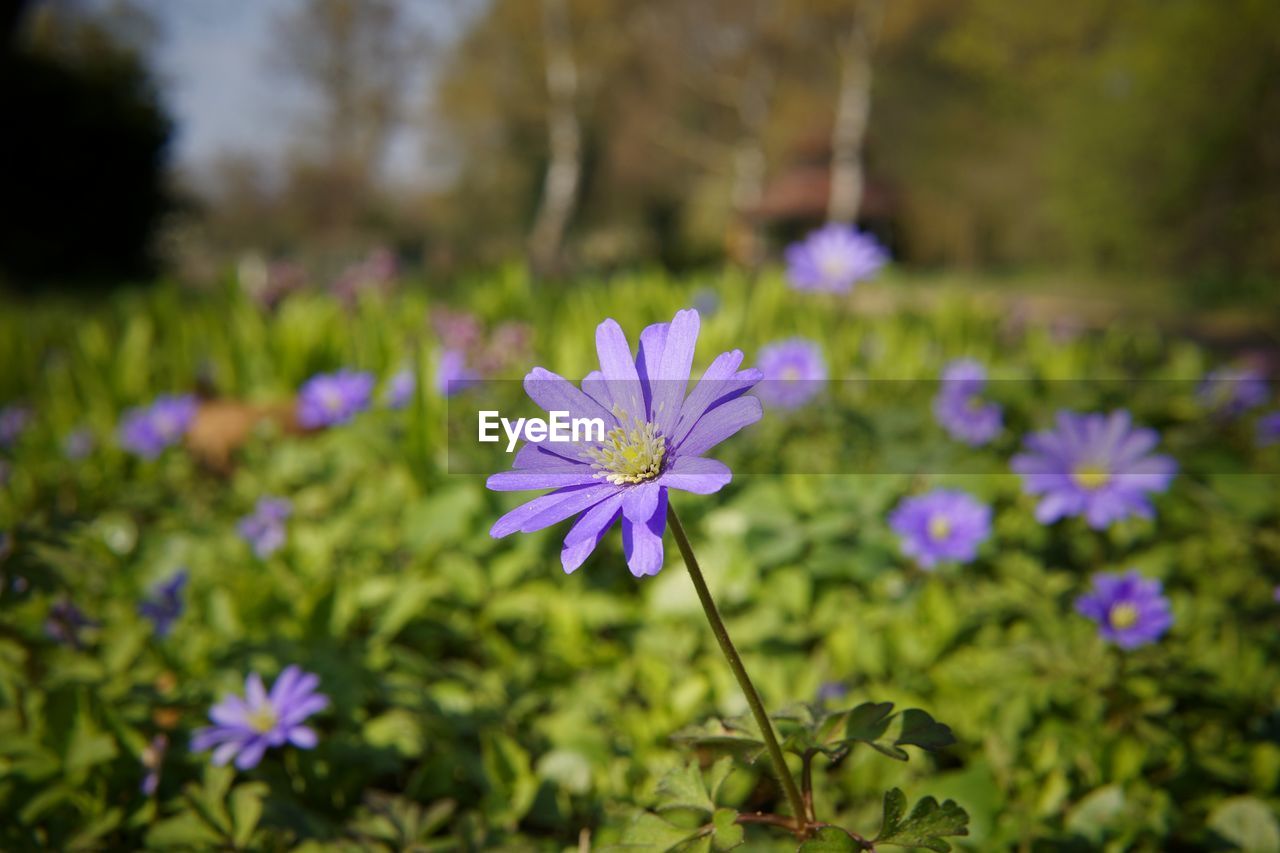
{"type": "Point", "coordinates": [1139, 138]}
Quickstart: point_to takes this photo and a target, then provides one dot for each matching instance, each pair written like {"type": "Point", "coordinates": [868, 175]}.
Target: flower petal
{"type": "Point", "coordinates": [587, 532]}
{"type": "Point", "coordinates": [619, 369]}
{"type": "Point", "coordinates": [522, 481]}
{"type": "Point", "coordinates": [554, 393]}
{"type": "Point", "coordinates": [673, 372]}
{"type": "Point", "coordinates": [718, 424]}
{"type": "Point", "coordinates": [547, 510]}
{"type": "Point", "coordinates": [251, 754]}
{"type": "Point", "coordinates": [639, 502]}
{"type": "Point", "coordinates": [696, 474]}
{"type": "Point", "coordinates": [642, 543]}
{"type": "Point", "coordinates": [302, 737]}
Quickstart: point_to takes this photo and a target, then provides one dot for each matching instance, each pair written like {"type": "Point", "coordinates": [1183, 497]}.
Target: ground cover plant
{"type": "Point", "coordinates": [251, 598]}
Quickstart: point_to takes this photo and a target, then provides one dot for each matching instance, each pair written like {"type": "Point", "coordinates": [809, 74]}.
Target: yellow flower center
{"type": "Point", "coordinates": [790, 374]}
{"type": "Point", "coordinates": [1122, 616]}
{"type": "Point", "coordinates": [631, 453]}
{"type": "Point", "coordinates": [262, 720]}
{"type": "Point", "coordinates": [939, 527]}
{"type": "Point", "coordinates": [1091, 476]}
{"type": "Point", "coordinates": [331, 399]}
{"type": "Point", "coordinates": [832, 266]}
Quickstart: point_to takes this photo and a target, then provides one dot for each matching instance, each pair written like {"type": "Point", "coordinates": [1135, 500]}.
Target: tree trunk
{"type": "Point", "coordinates": [853, 106]}
{"type": "Point", "coordinates": [564, 169]}
{"type": "Point", "coordinates": [746, 244]}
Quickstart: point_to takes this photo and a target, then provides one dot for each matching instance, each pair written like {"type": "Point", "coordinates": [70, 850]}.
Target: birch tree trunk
{"type": "Point", "coordinates": [564, 169]}
{"type": "Point", "coordinates": [853, 106]}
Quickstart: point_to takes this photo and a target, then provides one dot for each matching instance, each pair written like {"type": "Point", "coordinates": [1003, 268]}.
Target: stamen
{"type": "Point", "coordinates": [262, 720]}
{"type": "Point", "coordinates": [939, 527]}
{"type": "Point", "coordinates": [1122, 616]}
{"type": "Point", "coordinates": [632, 452]}
{"type": "Point", "coordinates": [1091, 476]}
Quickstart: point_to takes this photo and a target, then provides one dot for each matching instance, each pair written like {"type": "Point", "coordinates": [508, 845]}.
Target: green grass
{"type": "Point", "coordinates": [484, 700]}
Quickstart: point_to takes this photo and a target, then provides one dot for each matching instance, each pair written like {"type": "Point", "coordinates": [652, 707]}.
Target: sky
{"type": "Point", "coordinates": [214, 62]}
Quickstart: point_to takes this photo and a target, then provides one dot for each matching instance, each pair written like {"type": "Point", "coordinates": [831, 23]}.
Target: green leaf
{"type": "Point", "coordinates": [726, 832]}
{"type": "Point", "coordinates": [1096, 812]}
{"type": "Point", "coordinates": [246, 810]}
{"type": "Point", "coordinates": [648, 832]}
{"type": "Point", "coordinates": [1247, 823]}
{"type": "Point", "coordinates": [831, 839]}
{"type": "Point", "coordinates": [920, 729]}
{"type": "Point", "coordinates": [187, 831]}
{"type": "Point", "coordinates": [683, 788]}
{"type": "Point", "coordinates": [867, 724]}
{"type": "Point", "coordinates": [736, 736]}
{"type": "Point", "coordinates": [926, 826]}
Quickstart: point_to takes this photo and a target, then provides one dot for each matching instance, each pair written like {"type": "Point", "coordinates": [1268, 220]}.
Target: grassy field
{"type": "Point", "coordinates": [482, 699]}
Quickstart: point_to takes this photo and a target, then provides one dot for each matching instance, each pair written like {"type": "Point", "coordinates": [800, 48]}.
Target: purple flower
{"type": "Point", "coordinates": [246, 728]}
{"type": "Point", "coordinates": [1097, 466]}
{"type": "Point", "coordinates": [832, 691]}
{"type": "Point", "coordinates": [1232, 391]}
{"type": "Point", "coordinates": [329, 399]}
{"type": "Point", "coordinates": [64, 623]}
{"type": "Point", "coordinates": [959, 409]}
{"type": "Point", "coordinates": [452, 374]}
{"type": "Point", "coordinates": [794, 372]}
{"type": "Point", "coordinates": [152, 759]}
{"type": "Point", "coordinates": [655, 438]}
{"type": "Point", "coordinates": [833, 259]}
{"type": "Point", "coordinates": [400, 389]}
{"type": "Point", "coordinates": [78, 444]}
{"type": "Point", "coordinates": [941, 525]}
{"type": "Point", "coordinates": [165, 604]}
{"type": "Point", "coordinates": [13, 422]}
{"type": "Point", "coordinates": [4, 472]}
{"type": "Point", "coordinates": [148, 430]}
{"type": "Point", "coordinates": [264, 527]}
{"type": "Point", "coordinates": [1130, 610]}
{"type": "Point", "coordinates": [1268, 429]}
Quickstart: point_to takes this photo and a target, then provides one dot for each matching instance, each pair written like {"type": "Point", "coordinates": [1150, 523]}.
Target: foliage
{"type": "Point", "coordinates": [483, 700]}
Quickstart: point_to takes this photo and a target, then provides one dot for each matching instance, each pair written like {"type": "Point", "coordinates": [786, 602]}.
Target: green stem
{"type": "Point", "coordinates": [799, 814]}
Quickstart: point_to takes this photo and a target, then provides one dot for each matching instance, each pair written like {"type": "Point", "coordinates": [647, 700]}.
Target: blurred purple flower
{"type": "Point", "coordinates": [400, 389]}
{"type": "Point", "coordinates": [959, 409]}
{"type": "Point", "coordinates": [329, 399]}
{"type": "Point", "coordinates": [832, 691]}
{"type": "Point", "coordinates": [164, 606]}
{"type": "Point", "coordinates": [1268, 429]}
{"type": "Point", "coordinates": [148, 430]}
{"type": "Point", "coordinates": [794, 372]}
{"type": "Point", "coordinates": [833, 259]}
{"type": "Point", "coordinates": [941, 525]}
{"type": "Point", "coordinates": [452, 374]}
{"type": "Point", "coordinates": [152, 759]}
{"type": "Point", "coordinates": [457, 329]}
{"type": "Point", "coordinates": [706, 301]}
{"type": "Point", "coordinates": [1094, 465]}
{"type": "Point", "coordinates": [264, 528]}
{"type": "Point", "coordinates": [655, 438]}
{"type": "Point", "coordinates": [78, 444]}
{"type": "Point", "coordinates": [1130, 610]}
{"type": "Point", "coordinates": [14, 420]}
{"type": "Point", "coordinates": [245, 728]}
{"type": "Point", "coordinates": [1233, 391]}
{"type": "Point", "coordinates": [377, 272]}
{"type": "Point", "coordinates": [64, 623]}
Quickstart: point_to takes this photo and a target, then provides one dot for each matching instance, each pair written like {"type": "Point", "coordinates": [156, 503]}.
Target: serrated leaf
{"type": "Point", "coordinates": [726, 832]}
{"type": "Point", "coordinates": [831, 839]}
{"type": "Point", "coordinates": [868, 722]}
{"type": "Point", "coordinates": [683, 788]}
{"type": "Point", "coordinates": [926, 826]}
{"type": "Point", "coordinates": [717, 775]}
{"type": "Point", "coordinates": [919, 728]}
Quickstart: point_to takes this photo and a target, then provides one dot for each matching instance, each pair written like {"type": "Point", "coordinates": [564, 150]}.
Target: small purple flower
{"type": "Point", "coordinates": [794, 372]}
{"type": "Point", "coordinates": [147, 430]}
{"type": "Point", "coordinates": [152, 759]}
{"type": "Point", "coordinates": [329, 399]}
{"type": "Point", "coordinates": [452, 373]}
{"type": "Point", "coordinates": [1275, 595]}
{"type": "Point", "coordinates": [706, 301]}
{"type": "Point", "coordinates": [1130, 610]}
{"type": "Point", "coordinates": [1233, 391]}
{"type": "Point", "coordinates": [655, 438]}
{"type": "Point", "coordinates": [960, 410]}
{"type": "Point", "coordinates": [65, 622]}
{"type": "Point", "coordinates": [941, 525]}
{"type": "Point", "coordinates": [78, 444]}
{"type": "Point", "coordinates": [264, 528]}
{"type": "Point", "coordinates": [1095, 465]}
{"type": "Point", "coordinates": [4, 472]}
{"type": "Point", "coordinates": [400, 389]}
{"type": "Point", "coordinates": [14, 420]}
{"type": "Point", "coordinates": [164, 606]}
{"type": "Point", "coordinates": [832, 691]}
{"type": "Point", "coordinates": [833, 259]}
{"type": "Point", "coordinates": [244, 728]}
{"type": "Point", "coordinates": [1268, 429]}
